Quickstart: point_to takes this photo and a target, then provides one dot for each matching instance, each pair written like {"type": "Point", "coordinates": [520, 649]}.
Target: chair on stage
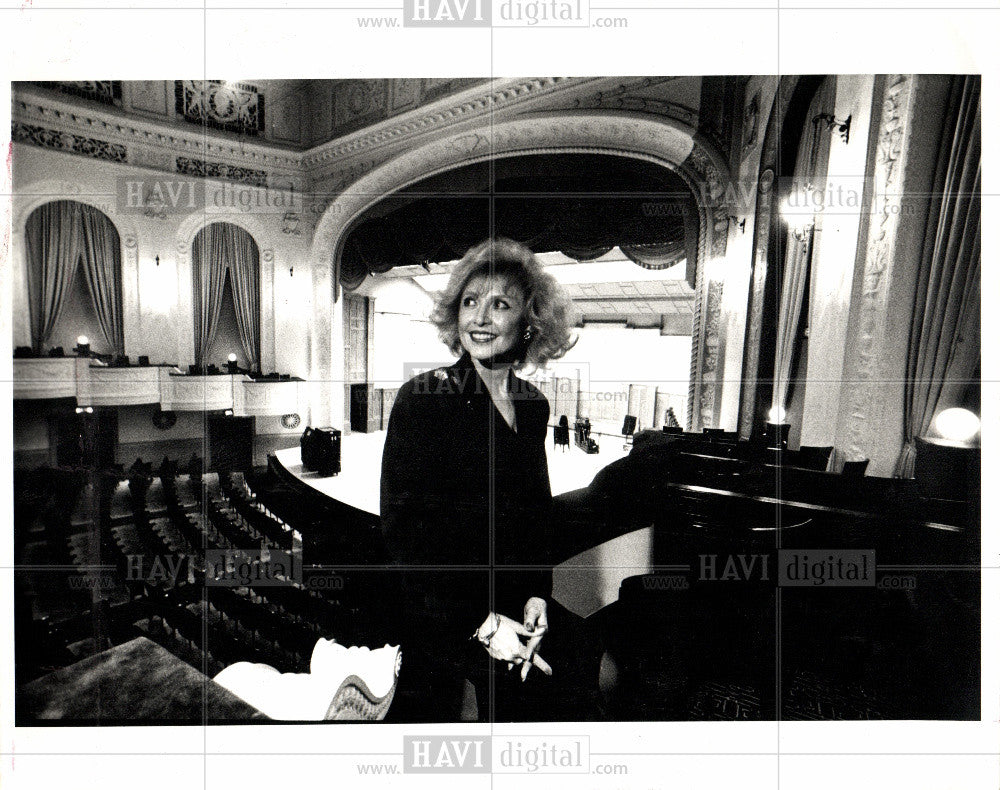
{"type": "Point", "coordinates": [629, 427]}
{"type": "Point", "coordinates": [560, 433]}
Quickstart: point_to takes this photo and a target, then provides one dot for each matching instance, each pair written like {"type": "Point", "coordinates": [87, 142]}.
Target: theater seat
{"type": "Point", "coordinates": [817, 458]}
{"type": "Point", "coordinates": [854, 468]}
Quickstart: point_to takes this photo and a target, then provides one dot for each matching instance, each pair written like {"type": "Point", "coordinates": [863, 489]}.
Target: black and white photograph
{"type": "Point", "coordinates": [497, 424]}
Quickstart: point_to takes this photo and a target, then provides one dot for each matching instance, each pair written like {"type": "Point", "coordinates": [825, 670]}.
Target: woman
{"type": "Point", "coordinates": [465, 486]}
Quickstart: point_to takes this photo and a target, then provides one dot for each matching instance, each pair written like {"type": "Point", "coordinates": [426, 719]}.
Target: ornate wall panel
{"type": "Point", "coordinates": [887, 187]}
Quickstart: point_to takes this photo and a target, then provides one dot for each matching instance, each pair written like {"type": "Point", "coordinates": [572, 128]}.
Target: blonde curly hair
{"type": "Point", "coordinates": [547, 309]}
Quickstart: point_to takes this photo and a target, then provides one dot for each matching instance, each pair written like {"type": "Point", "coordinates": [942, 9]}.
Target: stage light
{"type": "Point", "coordinates": [776, 415]}
{"type": "Point", "coordinates": [82, 346]}
{"type": "Point", "coordinates": [957, 425]}
{"type": "Point", "coordinates": [231, 363]}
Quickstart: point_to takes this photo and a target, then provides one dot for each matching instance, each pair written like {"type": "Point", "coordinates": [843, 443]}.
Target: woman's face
{"type": "Point", "coordinates": [489, 316]}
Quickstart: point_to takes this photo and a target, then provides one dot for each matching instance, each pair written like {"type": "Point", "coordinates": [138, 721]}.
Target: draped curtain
{"type": "Point", "coordinates": [810, 174]}
{"type": "Point", "coordinates": [220, 248]}
{"type": "Point", "coordinates": [944, 348]}
{"type": "Point", "coordinates": [54, 246]}
{"type": "Point", "coordinates": [102, 269]}
{"type": "Point", "coordinates": [60, 235]}
{"type": "Point", "coordinates": [244, 273]}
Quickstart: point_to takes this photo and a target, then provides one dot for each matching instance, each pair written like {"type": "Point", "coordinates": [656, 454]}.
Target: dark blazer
{"type": "Point", "coordinates": [465, 500]}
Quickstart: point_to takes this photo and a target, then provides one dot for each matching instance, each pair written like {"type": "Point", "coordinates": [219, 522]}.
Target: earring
{"type": "Point", "coordinates": [527, 334]}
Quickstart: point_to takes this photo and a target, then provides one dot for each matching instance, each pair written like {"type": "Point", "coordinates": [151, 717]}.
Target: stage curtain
{"type": "Point", "coordinates": [657, 256]}
{"type": "Point", "coordinates": [944, 336]}
{"type": "Point", "coordinates": [209, 278]}
{"type": "Point", "coordinates": [809, 180]}
{"type": "Point", "coordinates": [102, 268]}
{"type": "Point", "coordinates": [54, 246]}
{"type": "Point", "coordinates": [244, 273]}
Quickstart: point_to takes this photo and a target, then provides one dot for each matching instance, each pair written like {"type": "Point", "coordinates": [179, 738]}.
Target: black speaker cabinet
{"type": "Point", "coordinates": [230, 443]}
{"type": "Point", "coordinates": [321, 451]}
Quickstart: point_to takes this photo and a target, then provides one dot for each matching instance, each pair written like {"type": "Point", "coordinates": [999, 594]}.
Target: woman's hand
{"type": "Point", "coordinates": [536, 622]}
{"type": "Point", "coordinates": [501, 636]}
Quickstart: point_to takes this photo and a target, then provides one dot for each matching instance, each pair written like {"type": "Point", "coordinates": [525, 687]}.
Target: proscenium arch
{"type": "Point", "coordinates": [661, 141]}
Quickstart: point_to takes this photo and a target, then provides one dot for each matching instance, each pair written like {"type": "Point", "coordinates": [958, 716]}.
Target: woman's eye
{"type": "Point", "coordinates": [500, 304]}
{"type": "Point", "coordinates": [469, 301]}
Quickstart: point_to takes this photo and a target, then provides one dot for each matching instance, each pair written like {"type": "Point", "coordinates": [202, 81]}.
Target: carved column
{"type": "Point", "coordinates": [870, 421]}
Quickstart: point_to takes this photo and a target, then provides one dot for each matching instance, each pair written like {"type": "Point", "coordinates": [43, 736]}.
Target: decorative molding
{"type": "Point", "coordinates": [103, 91]}
{"type": "Point", "coordinates": [359, 101]}
{"type": "Point", "coordinates": [755, 311]}
{"type": "Point", "coordinates": [694, 416]}
{"type": "Point", "coordinates": [217, 104]}
{"type": "Point", "coordinates": [290, 222]}
{"type": "Point", "coordinates": [44, 378]}
{"type": "Point", "coordinates": [38, 193]}
{"type": "Point", "coordinates": [151, 143]}
{"type": "Point", "coordinates": [201, 168]}
{"type": "Point", "coordinates": [70, 143]}
{"type": "Point", "coordinates": [751, 120]}
{"type": "Point", "coordinates": [622, 98]}
{"type": "Point", "coordinates": [887, 195]}
{"type": "Point", "coordinates": [499, 95]}
{"type": "Point", "coordinates": [708, 174]}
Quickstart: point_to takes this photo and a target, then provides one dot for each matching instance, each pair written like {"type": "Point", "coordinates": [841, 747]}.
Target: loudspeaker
{"type": "Point", "coordinates": [230, 443]}
{"type": "Point", "coordinates": [321, 451]}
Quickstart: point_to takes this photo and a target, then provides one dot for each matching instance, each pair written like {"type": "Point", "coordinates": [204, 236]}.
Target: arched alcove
{"type": "Point", "coordinates": [73, 277]}
{"type": "Point", "coordinates": [225, 278]}
{"type": "Point", "coordinates": [36, 194]}
{"type": "Point", "coordinates": [185, 239]}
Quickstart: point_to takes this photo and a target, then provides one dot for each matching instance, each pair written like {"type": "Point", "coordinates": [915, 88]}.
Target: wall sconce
{"type": "Point", "coordinates": [82, 346]}
{"type": "Point", "coordinates": [739, 223]}
{"type": "Point", "coordinates": [291, 271]}
{"type": "Point", "coordinates": [231, 364]}
{"type": "Point", "coordinates": [842, 127]}
{"type": "Point", "coordinates": [799, 215]}
{"type": "Point", "coordinates": [157, 260]}
{"type": "Point", "coordinates": [84, 409]}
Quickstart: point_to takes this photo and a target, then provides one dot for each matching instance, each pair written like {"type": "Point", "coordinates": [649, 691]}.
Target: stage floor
{"type": "Point", "coordinates": [583, 584]}
{"type": "Point", "coordinates": [361, 468]}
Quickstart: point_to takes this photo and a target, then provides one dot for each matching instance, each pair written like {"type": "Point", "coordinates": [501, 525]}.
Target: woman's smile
{"type": "Point", "coordinates": [489, 317]}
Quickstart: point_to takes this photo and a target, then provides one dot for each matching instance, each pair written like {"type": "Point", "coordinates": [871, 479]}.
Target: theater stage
{"type": "Point", "coordinates": [361, 468]}
{"type": "Point", "coordinates": [584, 583]}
